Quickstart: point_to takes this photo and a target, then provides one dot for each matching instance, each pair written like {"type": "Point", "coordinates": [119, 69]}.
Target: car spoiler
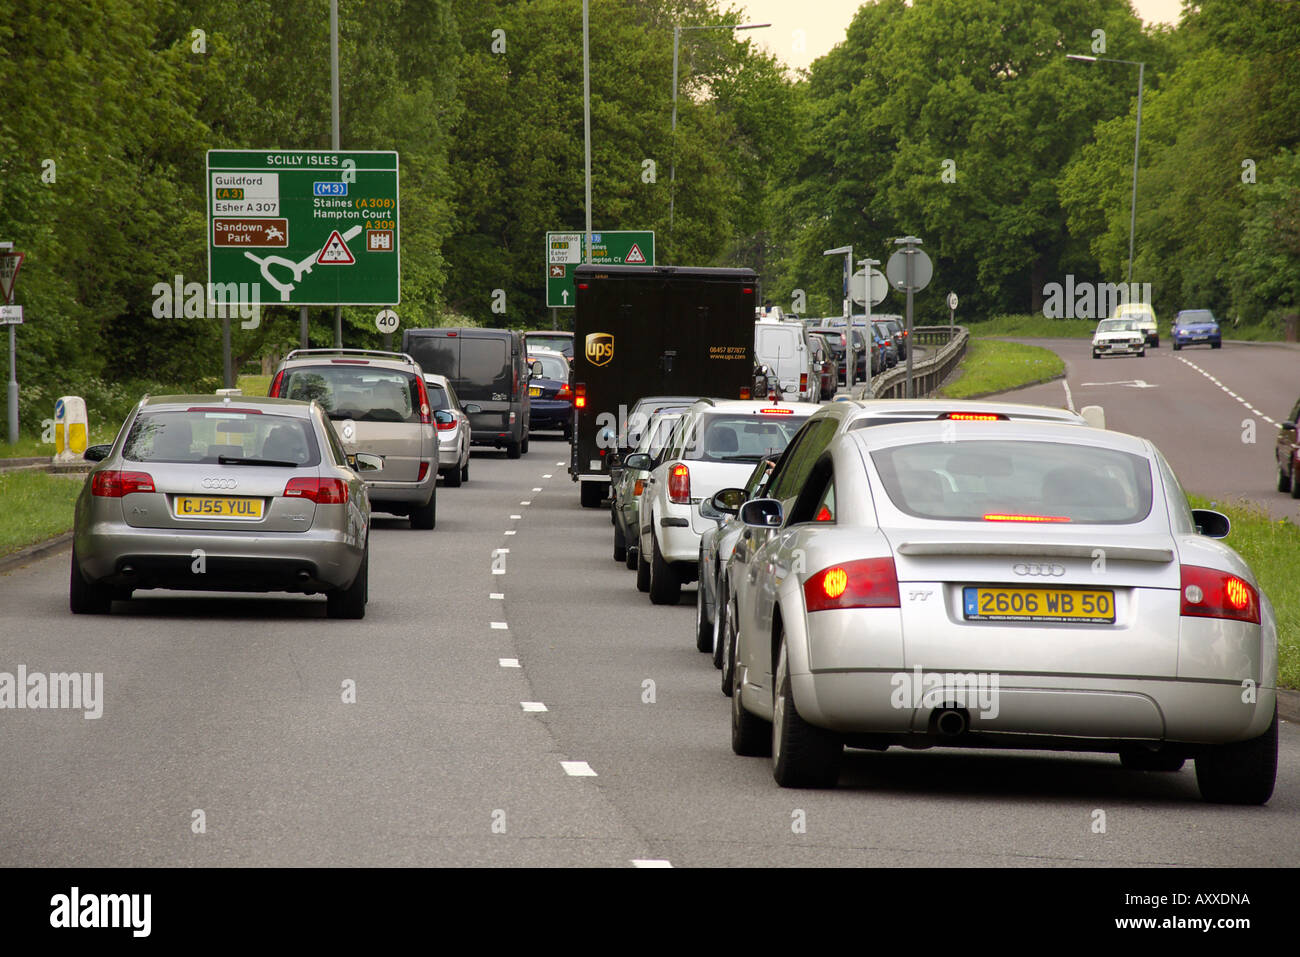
{"type": "Point", "coordinates": [1132, 553]}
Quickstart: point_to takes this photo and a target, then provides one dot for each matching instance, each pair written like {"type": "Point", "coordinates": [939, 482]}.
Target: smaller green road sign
{"type": "Point", "coordinates": [304, 227]}
{"type": "Point", "coordinates": [564, 251]}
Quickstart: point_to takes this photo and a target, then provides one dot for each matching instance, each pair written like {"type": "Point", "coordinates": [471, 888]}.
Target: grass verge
{"type": "Point", "coordinates": [37, 506]}
{"type": "Point", "coordinates": [1033, 327]}
{"type": "Point", "coordinates": [1272, 548]}
{"type": "Point", "coordinates": [991, 367]}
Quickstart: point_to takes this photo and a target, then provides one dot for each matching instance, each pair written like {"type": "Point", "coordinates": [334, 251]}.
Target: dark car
{"type": "Point", "coordinates": [889, 345]}
{"type": "Point", "coordinates": [823, 364]}
{"type": "Point", "coordinates": [486, 367]}
{"type": "Point", "coordinates": [896, 330]}
{"type": "Point", "coordinates": [1287, 454]}
{"type": "Point", "coordinates": [548, 391]}
{"type": "Point", "coordinates": [834, 339]}
{"type": "Point", "coordinates": [1196, 327]}
{"type": "Point", "coordinates": [550, 339]}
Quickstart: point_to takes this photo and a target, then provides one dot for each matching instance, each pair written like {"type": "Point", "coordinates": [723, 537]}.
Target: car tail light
{"type": "Point", "coordinates": [580, 395]}
{"type": "Point", "coordinates": [351, 362]}
{"type": "Point", "coordinates": [774, 410]}
{"type": "Point", "coordinates": [424, 470]}
{"type": "Point", "coordinates": [114, 483]}
{"type": "Point", "coordinates": [446, 426]}
{"type": "Point", "coordinates": [1002, 517]}
{"type": "Point", "coordinates": [638, 486]}
{"type": "Point", "coordinates": [327, 491]}
{"type": "Point", "coordinates": [515, 392]}
{"type": "Point", "coordinates": [1210, 593]}
{"type": "Point", "coordinates": [223, 408]}
{"type": "Point", "coordinates": [426, 413]}
{"type": "Point", "coordinates": [744, 392]}
{"type": "Point", "coordinates": [865, 583]}
{"type": "Point", "coordinates": [803, 382]}
{"type": "Point", "coordinates": [973, 416]}
{"type": "Point", "coordinates": [679, 484]}
{"type": "Point", "coordinates": [564, 392]}
{"type": "Point", "coordinates": [275, 384]}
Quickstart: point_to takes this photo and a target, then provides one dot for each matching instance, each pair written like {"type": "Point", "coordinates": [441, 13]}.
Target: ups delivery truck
{"type": "Point", "coordinates": [652, 330]}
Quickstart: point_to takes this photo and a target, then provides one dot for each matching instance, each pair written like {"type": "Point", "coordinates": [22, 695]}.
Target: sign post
{"type": "Point", "coordinates": [873, 293]}
{"type": "Point", "coordinates": [10, 263]}
{"type": "Point", "coordinates": [952, 312]}
{"type": "Point", "coordinates": [910, 270]}
{"type": "Point", "coordinates": [849, 357]}
{"type": "Point", "coordinates": [564, 251]}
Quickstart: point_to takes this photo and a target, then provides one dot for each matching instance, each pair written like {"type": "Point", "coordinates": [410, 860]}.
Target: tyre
{"type": "Point", "coordinates": [350, 602]}
{"type": "Point", "coordinates": [1142, 353]}
{"type": "Point", "coordinates": [1095, 354]}
{"type": "Point", "coordinates": [1176, 345]}
{"type": "Point", "coordinates": [1216, 345]}
{"type": "Point", "coordinates": [1155, 343]}
{"type": "Point", "coordinates": [464, 471]}
{"type": "Point", "coordinates": [731, 635]}
{"type": "Point", "coordinates": [426, 516]}
{"type": "Point", "coordinates": [452, 478]}
{"type": "Point", "coordinates": [703, 626]}
{"type": "Point", "coordinates": [523, 446]}
{"type": "Point", "coordinates": [642, 572]}
{"type": "Point", "coordinates": [512, 450]}
{"type": "Point", "coordinates": [751, 736]}
{"type": "Point", "coordinates": [1140, 759]}
{"type": "Point", "coordinates": [1242, 772]}
{"type": "Point", "coordinates": [591, 494]}
{"type": "Point", "coordinates": [1283, 480]}
{"type": "Point", "coordinates": [1295, 477]}
{"type": "Point", "coordinates": [803, 756]}
{"type": "Point", "coordinates": [85, 598]}
{"type": "Point", "coordinates": [719, 639]}
{"type": "Point", "coordinates": [630, 561]}
{"type": "Point", "coordinates": [665, 588]}
{"type": "Point", "coordinates": [620, 543]}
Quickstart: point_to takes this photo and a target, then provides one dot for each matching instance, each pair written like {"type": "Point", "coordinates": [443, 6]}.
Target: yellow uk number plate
{"type": "Point", "coordinates": [204, 506]}
{"type": "Point", "coordinates": [1039, 604]}
{"type": "Point", "coordinates": [534, 390]}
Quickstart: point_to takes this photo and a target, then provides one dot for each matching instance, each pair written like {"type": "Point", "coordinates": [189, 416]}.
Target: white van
{"type": "Point", "coordinates": [784, 347]}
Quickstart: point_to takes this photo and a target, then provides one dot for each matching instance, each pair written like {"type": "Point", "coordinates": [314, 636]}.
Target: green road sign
{"type": "Point", "coordinates": [564, 251]}
{"type": "Point", "coordinates": [304, 227]}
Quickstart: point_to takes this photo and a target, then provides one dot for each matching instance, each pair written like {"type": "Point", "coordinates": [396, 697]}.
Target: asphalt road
{"type": "Point", "coordinates": [1214, 413]}
{"type": "Point", "coordinates": [233, 705]}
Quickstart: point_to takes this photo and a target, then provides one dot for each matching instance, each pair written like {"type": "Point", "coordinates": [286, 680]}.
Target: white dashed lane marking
{"type": "Point", "coordinates": [1234, 395]}
{"type": "Point", "coordinates": [508, 662]}
{"type": "Point", "coordinates": [497, 596]}
{"type": "Point", "coordinates": [645, 862]}
{"type": "Point", "coordinates": [532, 706]}
{"type": "Point", "coordinates": [499, 626]}
{"type": "Point", "coordinates": [578, 769]}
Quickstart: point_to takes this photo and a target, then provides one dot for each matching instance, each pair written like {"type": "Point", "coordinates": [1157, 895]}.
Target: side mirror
{"type": "Point", "coordinates": [1210, 523]}
{"type": "Point", "coordinates": [761, 513]}
{"type": "Point", "coordinates": [729, 500]}
{"type": "Point", "coordinates": [1289, 425]}
{"type": "Point", "coordinates": [708, 511]}
{"type": "Point", "coordinates": [535, 370]}
{"type": "Point", "coordinates": [97, 453]}
{"type": "Point", "coordinates": [1094, 415]}
{"type": "Point", "coordinates": [369, 462]}
{"type": "Point", "coordinates": [444, 417]}
{"type": "Point", "coordinates": [472, 408]}
{"type": "Point", "coordinates": [638, 462]}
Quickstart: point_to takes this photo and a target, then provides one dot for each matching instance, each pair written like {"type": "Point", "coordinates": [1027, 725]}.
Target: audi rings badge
{"type": "Point", "coordinates": [214, 483]}
{"type": "Point", "coordinates": [1038, 569]}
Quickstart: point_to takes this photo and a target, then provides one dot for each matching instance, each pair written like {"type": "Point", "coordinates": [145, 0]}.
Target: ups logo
{"type": "Point", "coordinates": [600, 348]}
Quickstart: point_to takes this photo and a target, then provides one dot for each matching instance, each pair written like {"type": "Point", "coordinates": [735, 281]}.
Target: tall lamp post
{"type": "Point", "coordinates": [1137, 138]}
{"type": "Point", "coordinates": [672, 173]}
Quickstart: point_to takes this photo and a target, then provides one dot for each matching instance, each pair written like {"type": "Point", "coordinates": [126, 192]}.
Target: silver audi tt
{"type": "Point", "coordinates": [223, 493]}
{"type": "Point", "coordinates": [1032, 585]}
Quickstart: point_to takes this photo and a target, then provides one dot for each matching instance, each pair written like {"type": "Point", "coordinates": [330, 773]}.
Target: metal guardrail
{"type": "Point", "coordinates": [929, 373]}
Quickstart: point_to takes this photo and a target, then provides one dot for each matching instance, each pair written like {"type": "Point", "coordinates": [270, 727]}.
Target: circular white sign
{"type": "Point", "coordinates": [348, 430]}
{"type": "Point", "coordinates": [922, 270]}
{"type": "Point", "coordinates": [858, 287]}
{"type": "Point", "coordinates": [952, 300]}
{"type": "Point", "coordinates": [387, 321]}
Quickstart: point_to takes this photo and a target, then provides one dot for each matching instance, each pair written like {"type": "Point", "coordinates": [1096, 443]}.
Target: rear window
{"type": "Point", "coordinates": [1197, 315]}
{"type": "Point", "coordinates": [558, 343]}
{"type": "Point", "coordinates": [1016, 481]}
{"type": "Point", "coordinates": [437, 397]}
{"type": "Point", "coordinates": [553, 367]}
{"type": "Point", "coordinates": [203, 437]}
{"type": "Point", "coordinates": [435, 354]}
{"type": "Point", "coordinates": [485, 371]}
{"type": "Point", "coordinates": [770, 342]}
{"type": "Point", "coordinates": [363, 393]}
{"type": "Point", "coordinates": [741, 438]}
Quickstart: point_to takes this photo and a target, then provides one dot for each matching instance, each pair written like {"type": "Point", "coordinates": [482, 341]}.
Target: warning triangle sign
{"type": "Point", "coordinates": [10, 263]}
{"type": "Point", "coordinates": [336, 252]}
{"type": "Point", "coordinates": [634, 255]}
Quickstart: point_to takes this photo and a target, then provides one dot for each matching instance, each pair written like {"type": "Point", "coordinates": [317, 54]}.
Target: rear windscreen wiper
{"type": "Point", "coordinates": [236, 460]}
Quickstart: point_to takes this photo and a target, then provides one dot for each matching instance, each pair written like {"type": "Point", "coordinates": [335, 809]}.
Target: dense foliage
{"type": "Point", "coordinates": [960, 121]}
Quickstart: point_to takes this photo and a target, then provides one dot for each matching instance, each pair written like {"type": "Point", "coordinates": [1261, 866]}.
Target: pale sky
{"type": "Point", "coordinates": [803, 30]}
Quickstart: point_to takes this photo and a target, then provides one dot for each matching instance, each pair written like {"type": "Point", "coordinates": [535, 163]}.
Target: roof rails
{"type": "Point", "coordinates": [349, 352]}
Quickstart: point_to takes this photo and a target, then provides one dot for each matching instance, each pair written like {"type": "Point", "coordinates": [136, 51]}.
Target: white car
{"type": "Point", "coordinates": [1118, 337]}
{"type": "Point", "coordinates": [1144, 316]}
{"type": "Point", "coordinates": [784, 348]}
{"type": "Point", "coordinates": [716, 444]}
{"type": "Point", "coordinates": [1037, 586]}
{"type": "Point", "coordinates": [452, 421]}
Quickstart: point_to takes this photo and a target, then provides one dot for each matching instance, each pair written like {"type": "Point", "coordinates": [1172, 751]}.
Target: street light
{"type": "Point", "coordinates": [1137, 136]}
{"type": "Point", "coordinates": [672, 174]}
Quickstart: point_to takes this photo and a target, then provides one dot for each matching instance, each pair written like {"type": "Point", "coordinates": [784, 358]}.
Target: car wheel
{"type": "Point", "coordinates": [751, 736]}
{"type": "Point", "coordinates": [350, 602]}
{"type": "Point", "coordinates": [703, 626]}
{"type": "Point", "coordinates": [1176, 345]}
{"type": "Point", "coordinates": [1140, 759]}
{"type": "Point", "coordinates": [803, 756]}
{"type": "Point", "coordinates": [1295, 476]}
{"type": "Point", "coordinates": [719, 615]}
{"type": "Point", "coordinates": [630, 561]}
{"type": "Point", "coordinates": [1242, 772]}
{"type": "Point", "coordinates": [512, 450]}
{"type": "Point", "coordinates": [665, 588]}
{"type": "Point", "coordinates": [426, 516]}
{"type": "Point", "coordinates": [1096, 354]}
{"type": "Point", "coordinates": [620, 543]}
{"type": "Point", "coordinates": [452, 478]}
{"type": "Point", "coordinates": [591, 494]}
{"type": "Point", "coordinates": [1142, 353]}
{"type": "Point", "coordinates": [523, 446]}
{"type": "Point", "coordinates": [1155, 343]}
{"type": "Point", "coordinates": [464, 470]}
{"type": "Point", "coordinates": [1216, 345]}
{"type": "Point", "coordinates": [1283, 480]}
{"type": "Point", "coordinates": [85, 598]}
{"type": "Point", "coordinates": [642, 572]}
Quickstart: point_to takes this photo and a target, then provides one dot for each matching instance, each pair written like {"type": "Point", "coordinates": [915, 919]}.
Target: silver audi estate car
{"type": "Point", "coordinates": [223, 493]}
{"type": "Point", "coordinates": [1025, 585]}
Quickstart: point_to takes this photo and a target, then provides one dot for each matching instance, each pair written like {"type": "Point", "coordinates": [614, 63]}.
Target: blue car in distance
{"type": "Point", "coordinates": [549, 394]}
{"type": "Point", "coordinates": [1196, 327]}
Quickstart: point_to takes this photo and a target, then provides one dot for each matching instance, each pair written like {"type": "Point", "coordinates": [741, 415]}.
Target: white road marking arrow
{"type": "Point", "coordinates": [1131, 383]}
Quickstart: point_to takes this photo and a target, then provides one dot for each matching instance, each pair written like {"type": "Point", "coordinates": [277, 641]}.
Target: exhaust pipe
{"type": "Point", "coordinates": [951, 722]}
{"type": "Point", "coordinates": [304, 575]}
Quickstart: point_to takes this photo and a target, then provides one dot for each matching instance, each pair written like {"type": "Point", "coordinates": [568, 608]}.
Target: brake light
{"type": "Point", "coordinates": [773, 410]}
{"type": "Point", "coordinates": [679, 484]}
{"type": "Point", "coordinates": [998, 517]}
{"type": "Point", "coordinates": [744, 392]}
{"type": "Point", "coordinates": [582, 285]}
{"type": "Point", "coordinates": [973, 416]}
{"type": "Point", "coordinates": [424, 470]}
{"type": "Point", "coordinates": [223, 408]}
{"type": "Point", "coordinates": [865, 583]}
{"type": "Point", "coordinates": [746, 290]}
{"type": "Point", "coordinates": [445, 426]}
{"type": "Point", "coordinates": [275, 384]}
{"type": "Point", "coordinates": [351, 362]}
{"type": "Point", "coordinates": [1210, 593]}
{"type": "Point", "coordinates": [327, 491]}
{"type": "Point", "coordinates": [638, 486]}
{"type": "Point", "coordinates": [564, 392]}
{"type": "Point", "coordinates": [580, 395]}
{"type": "Point", "coordinates": [114, 483]}
{"type": "Point", "coordinates": [803, 382]}
{"type": "Point", "coordinates": [426, 413]}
